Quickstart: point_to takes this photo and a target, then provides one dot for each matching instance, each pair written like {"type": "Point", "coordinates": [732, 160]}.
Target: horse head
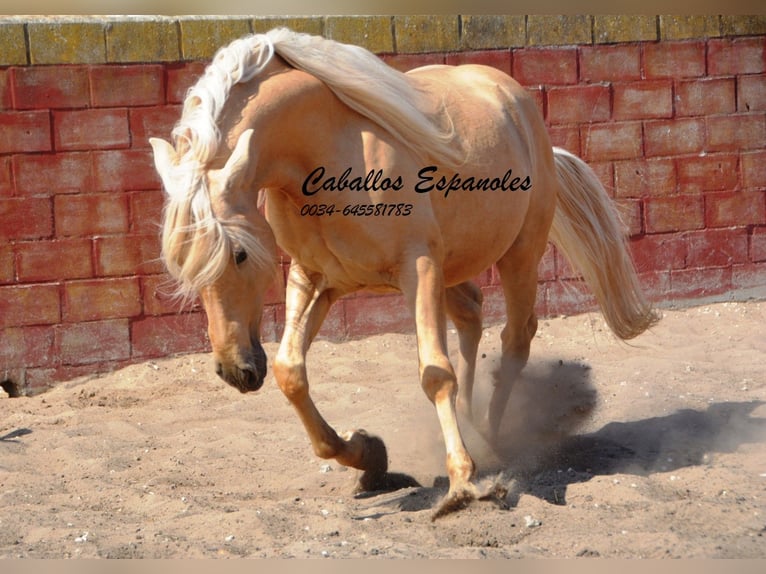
{"type": "Point", "coordinates": [218, 246]}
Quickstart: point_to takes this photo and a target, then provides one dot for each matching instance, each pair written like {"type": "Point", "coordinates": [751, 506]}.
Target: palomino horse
{"type": "Point", "coordinates": [374, 179]}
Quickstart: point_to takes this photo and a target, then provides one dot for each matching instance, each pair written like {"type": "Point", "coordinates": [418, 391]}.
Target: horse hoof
{"type": "Point", "coordinates": [374, 463]}
{"type": "Point", "coordinates": [455, 500]}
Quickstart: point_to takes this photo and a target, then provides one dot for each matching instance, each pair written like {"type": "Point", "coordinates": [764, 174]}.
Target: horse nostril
{"type": "Point", "coordinates": [219, 369]}
{"type": "Point", "coordinates": [251, 379]}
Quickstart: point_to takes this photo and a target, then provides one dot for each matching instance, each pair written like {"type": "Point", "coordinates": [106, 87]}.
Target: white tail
{"type": "Point", "coordinates": [587, 230]}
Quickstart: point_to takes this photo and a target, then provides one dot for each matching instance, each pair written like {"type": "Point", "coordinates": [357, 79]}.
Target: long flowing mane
{"type": "Point", "coordinates": [195, 244]}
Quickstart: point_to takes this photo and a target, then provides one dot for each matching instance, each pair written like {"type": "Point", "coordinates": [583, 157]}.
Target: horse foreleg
{"type": "Point", "coordinates": [464, 308]}
{"type": "Point", "coordinates": [306, 307]}
{"type": "Point", "coordinates": [427, 297]}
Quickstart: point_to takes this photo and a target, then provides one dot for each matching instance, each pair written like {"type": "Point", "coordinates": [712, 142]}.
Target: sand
{"type": "Point", "coordinates": [651, 449]}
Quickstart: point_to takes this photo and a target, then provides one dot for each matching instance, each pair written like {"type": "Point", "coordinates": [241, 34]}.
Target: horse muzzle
{"type": "Point", "coordinates": [245, 376]}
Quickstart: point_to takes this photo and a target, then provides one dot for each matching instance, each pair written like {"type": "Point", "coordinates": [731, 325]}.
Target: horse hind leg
{"type": "Point", "coordinates": [464, 309]}
{"type": "Point", "coordinates": [518, 274]}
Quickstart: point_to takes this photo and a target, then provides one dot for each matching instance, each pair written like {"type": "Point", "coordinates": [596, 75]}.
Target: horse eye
{"type": "Point", "coordinates": [240, 256]}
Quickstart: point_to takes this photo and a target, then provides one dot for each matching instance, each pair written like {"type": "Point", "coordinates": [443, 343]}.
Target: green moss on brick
{"type": "Point", "coordinates": [689, 27]}
{"type": "Point", "coordinates": [372, 32]}
{"type": "Point", "coordinates": [143, 40]}
{"type": "Point", "coordinates": [67, 42]}
{"type": "Point", "coordinates": [559, 30]}
{"type": "Point", "coordinates": [493, 32]}
{"type": "Point", "coordinates": [307, 25]}
{"type": "Point", "coordinates": [202, 37]}
{"type": "Point", "coordinates": [627, 28]}
{"type": "Point", "coordinates": [743, 25]}
{"type": "Point", "coordinates": [419, 34]}
{"type": "Point", "coordinates": [13, 44]}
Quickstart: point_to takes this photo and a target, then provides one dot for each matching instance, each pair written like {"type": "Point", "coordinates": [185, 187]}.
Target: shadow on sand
{"type": "Point", "coordinates": [541, 451]}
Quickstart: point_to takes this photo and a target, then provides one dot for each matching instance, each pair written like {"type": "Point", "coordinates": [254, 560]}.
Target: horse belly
{"type": "Point", "coordinates": [477, 231]}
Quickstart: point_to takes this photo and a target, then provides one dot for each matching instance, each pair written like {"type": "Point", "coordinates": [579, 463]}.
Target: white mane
{"type": "Point", "coordinates": [196, 245]}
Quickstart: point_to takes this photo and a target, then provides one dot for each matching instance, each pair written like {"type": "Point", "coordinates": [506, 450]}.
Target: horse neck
{"type": "Point", "coordinates": [296, 121]}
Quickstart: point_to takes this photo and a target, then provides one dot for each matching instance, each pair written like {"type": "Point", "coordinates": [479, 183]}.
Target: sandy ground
{"type": "Point", "coordinates": [655, 449]}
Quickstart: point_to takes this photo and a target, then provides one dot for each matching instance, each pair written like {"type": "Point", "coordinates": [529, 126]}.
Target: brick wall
{"type": "Point", "coordinates": [670, 111]}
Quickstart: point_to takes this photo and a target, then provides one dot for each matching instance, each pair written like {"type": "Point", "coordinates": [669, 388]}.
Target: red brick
{"type": "Point", "coordinates": [169, 334]}
{"type": "Point", "coordinates": [630, 214]}
{"type": "Point", "coordinates": [605, 173]}
{"type": "Point", "coordinates": [101, 299]}
{"type": "Point", "coordinates": [714, 172]}
{"type": "Point", "coordinates": [128, 255]}
{"type": "Point", "coordinates": [736, 132]}
{"type": "Point", "coordinates": [754, 170]}
{"type": "Point", "coordinates": [675, 213]}
{"type": "Point", "coordinates": [647, 99]}
{"type": "Point", "coordinates": [6, 182]}
{"type": "Point", "coordinates": [407, 62]}
{"type": "Point", "coordinates": [146, 211]}
{"type": "Point", "coordinates": [538, 95]}
{"type": "Point", "coordinates": [6, 94]}
{"type": "Point", "coordinates": [27, 218]}
{"type": "Point", "coordinates": [92, 342]}
{"type": "Point", "coordinates": [541, 304]}
{"type": "Point", "coordinates": [674, 137]}
{"type": "Point", "coordinates": [125, 170]}
{"type": "Point", "coordinates": [181, 77]}
{"type": "Point", "coordinates": [275, 293]}
{"type": "Point", "coordinates": [159, 296]}
{"type": "Point", "coordinates": [748, 276]}
{"type": "Point", "coordinates": [54, 260]}
{"type": "Point", "coordinates": [569, 298]}
{"type": "Point", "coordinates": [25, 132]}
{"type": "Point", "coordinates": [90, 214]}
{"type": "Point", "coordinates": [735, 208]}
{"type": "Point", "coordinates": [674, 59]}
{"type": "Point", "coordinates": [26, 346]}
{"type": "Point", "coordinates": [493, 307]}
{"type": "Point", "coordinates": [48, 87]}
{"type": "Point", "coordinates": [578, 104]}
{"type": "Point", "coordinates": [655, 285]}
{"type": "Point", "coordinates": [610, 63]}
{"type": "Point", "coordinates": [91, 129]}
{"type": "Point", "coordinates": [546, 270]}
{"type": "Point", "coordinates": [147, 123]}
{"type": "Point", "coordinates": [50, 174]}
{"type": "Point", "coordinates": [611, 141]}
{"type": "Point", "coordinates": [751, 93]}
{"type": "Point", "coordinates": [729, 57]}
{"type": "Point", "coordinates": [564, 269]}
{"type": "Point", "coordinates": [7, 266]}
{"type": "Point", "coordinates": [29, 305]}
{"type": "Point", "coordinates": [500, 59]}
{"type": "Point", "coordinates": [333, 327]}
{"type": "Point", "coordinates": [641, 178]}
{"type": "Point", "coordinates": [705, 96]}
{"type": "Point", "coordinates": [758, 244]}
{"type": "Point", "coordinates": [557, 66]}
{"type": "Point", "coordinates": [694, 283]}
{"type": "Point", "coordinates": [132, 85]}
{"type": "Point", "coordinates": [659, 252]}
{"type": "Point", "coordinates": [717, 247]}
{"type": "Point", "coordinates": [567, 137]}
{"type": "Point", "coordinates": [273, 322]}
{"type": "Point", "coordinates": [377, 314]}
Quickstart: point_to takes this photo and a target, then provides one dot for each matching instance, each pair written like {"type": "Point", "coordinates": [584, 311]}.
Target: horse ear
{"type": "Point", "coordinates": [239, 158]}
{"type": "Point", "coordinates": [164, 155]}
